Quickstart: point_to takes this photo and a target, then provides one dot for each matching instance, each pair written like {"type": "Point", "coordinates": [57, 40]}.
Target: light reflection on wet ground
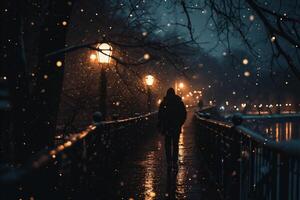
{"type": "Point", "coordinates": [145, 174]}
{"type": "Point", "coordinates": [278, 130]}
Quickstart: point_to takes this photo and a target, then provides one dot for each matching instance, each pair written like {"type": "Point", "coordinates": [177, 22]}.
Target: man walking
{"type": "Point", "coordinates": [171, 116]}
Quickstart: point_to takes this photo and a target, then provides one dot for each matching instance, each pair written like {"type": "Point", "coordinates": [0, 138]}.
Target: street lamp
{"type": "Point", "coordinates": [104, 57]}
{"type": "Point", "coordinates": [181, 85]}
{"type": "Point", "coordinates": [178, 86]}
{"type": "Point", "coordinates": [149, 80]}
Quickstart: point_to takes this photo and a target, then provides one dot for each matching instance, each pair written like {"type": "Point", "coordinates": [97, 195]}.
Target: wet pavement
{"type": "Point", "coordinates": [144, 173]}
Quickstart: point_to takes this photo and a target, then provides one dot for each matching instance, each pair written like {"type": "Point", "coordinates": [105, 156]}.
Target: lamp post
{"type": "Point", "coordinates": [178, 86]}
{"type": "Point", "coordinates": [104, 58]}
{"type": "Point", "coordinates": [149, 79]}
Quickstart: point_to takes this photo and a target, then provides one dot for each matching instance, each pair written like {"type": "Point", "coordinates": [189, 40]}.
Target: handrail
{"type": "Point", "coordinates": [78, 136]}
{"type": "Point", "coordinates": [127, 119]}
{"type": "Point", "coordinates": [288, 147]}
{"type": "Point", "coordinates": [216, 122]}
{"type": "Point", "coordinates": [43, 157]}
{"type": "Point", "coordinates": [273, 116]}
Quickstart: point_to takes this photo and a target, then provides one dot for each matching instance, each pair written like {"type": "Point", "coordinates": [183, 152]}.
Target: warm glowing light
{"type": "Point", "coordinates": [64, 23]}
{"type": "Point", "coordinates": [58, 63]}
{"type": "Point", "coordinates": [93, 57]}
{"type": "Point", "coordinates": [146, 56]}
{"type": "Point", "coordinates": [159, 101]}
{"type": "Point", "coordinates": [243, 105]}
{"type": "Point", "coordinates": [68, 144]}
{"type": "Point", "coordinates": [181, 85]}
{"type": "Point", "coordinates": [245, 61]}
{"type": "Point", "coordinates": [152, 194]}
{"type": "Point", "coordinates": [247, 73]}
{"type": "Point", "coordinates": [273, 38]}
{"type": "Point", "coordinates": [104, 53]}
{"type": "Point", "coordinates": [149, 79]}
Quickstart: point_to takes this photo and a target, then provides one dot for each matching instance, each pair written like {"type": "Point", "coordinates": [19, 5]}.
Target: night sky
{"type": "Point", "coordinates": [220, 64]}
{"type": "Point", "coordinates": [215, 67]}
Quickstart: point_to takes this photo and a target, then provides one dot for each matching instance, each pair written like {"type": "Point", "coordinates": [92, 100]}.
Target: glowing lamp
{"type": "Point", "coordinates": [104, 53]}
{"type": "Point", "coordinates": [149, 79]}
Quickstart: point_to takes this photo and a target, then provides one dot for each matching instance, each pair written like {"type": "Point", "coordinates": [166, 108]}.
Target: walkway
{"type": "Point", "coordinates": [145, 176]}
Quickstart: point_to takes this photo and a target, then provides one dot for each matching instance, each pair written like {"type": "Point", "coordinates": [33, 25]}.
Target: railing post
{"type": "Point", "coordinates": [284, 177]}
{"type": "Point", "coordinates": [236, 156]}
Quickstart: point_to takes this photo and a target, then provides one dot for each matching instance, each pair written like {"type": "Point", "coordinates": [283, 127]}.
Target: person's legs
{"type": "Point", "coordinates": [168, 146]}
{"type": "Point", "coordinates": [175, 148]}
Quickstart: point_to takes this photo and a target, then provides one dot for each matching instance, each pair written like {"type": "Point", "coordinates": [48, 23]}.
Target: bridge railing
{"type": "Point", "coordinates": [78, 163]}
{"type": "Point", "coordinates": [247, 165]}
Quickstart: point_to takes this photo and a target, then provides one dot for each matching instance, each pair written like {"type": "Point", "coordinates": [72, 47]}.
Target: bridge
{"type": "Point", "coordinates": [124, 159]}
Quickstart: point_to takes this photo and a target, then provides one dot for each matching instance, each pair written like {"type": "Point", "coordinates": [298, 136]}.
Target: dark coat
{"type": "Point", "coordinates": [171, 114]}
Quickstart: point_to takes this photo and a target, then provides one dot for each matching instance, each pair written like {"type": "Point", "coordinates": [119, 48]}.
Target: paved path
{"type": "Point", "coordinates": [145, 176]}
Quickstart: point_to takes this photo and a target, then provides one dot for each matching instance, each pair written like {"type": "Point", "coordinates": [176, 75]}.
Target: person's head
{"type": "Point", "coordinates": [170, 92]}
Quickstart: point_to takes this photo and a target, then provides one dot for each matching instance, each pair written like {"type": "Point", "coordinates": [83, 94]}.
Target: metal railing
{"type": "Point", "coordinates": [247, 165]}
{"type": "Point", "coordinates": [73, 166]}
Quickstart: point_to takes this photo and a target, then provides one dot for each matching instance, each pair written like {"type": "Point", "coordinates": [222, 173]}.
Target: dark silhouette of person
{"type": "Point", "coordinates": [171, 116]}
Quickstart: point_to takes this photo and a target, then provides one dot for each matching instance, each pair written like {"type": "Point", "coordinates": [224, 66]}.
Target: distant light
{"type": "Point", "coordinates": [59, 63]}
{"type": "Point", "coordinates": [227, 103]}
{"type": "Point", "coordinates": [245, 61]}
{"type": "Point", "coordinates": [146, 56]}
{"type": "Point", "coordinates": [243, 105]}
{"type": "Point", "coordinates": [64, 23]}
{"type": "Point", "coordinates": [251, 18]}
{"type": "Point", "coordinates": [273, 38]}
{"type": "Point", "coordinates": [247, 73]}
{"type": "Point", "coordinates": [93, 57]}
{"type": "Point", "coordinates": [144, 33]}
{"type": "Point", "coordinates": [159, 101]}
{"type": "Point", "coordinates": [149, 79]}
{"type": "Point", "coordinates": [222, 108]}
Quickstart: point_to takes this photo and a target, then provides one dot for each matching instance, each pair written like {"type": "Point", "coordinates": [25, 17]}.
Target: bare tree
{"type": "Point", "coordinates": [280, 21]}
